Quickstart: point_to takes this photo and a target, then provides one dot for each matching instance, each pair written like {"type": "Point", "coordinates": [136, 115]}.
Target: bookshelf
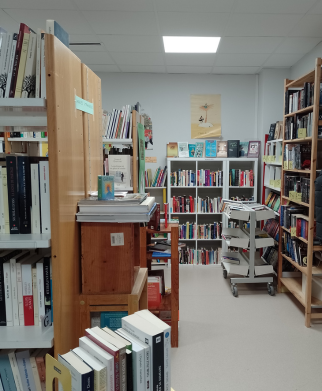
{"type": "Point", "coordinates": [226, 192]}
{"type": "Point", "coordinates": [301, 287]}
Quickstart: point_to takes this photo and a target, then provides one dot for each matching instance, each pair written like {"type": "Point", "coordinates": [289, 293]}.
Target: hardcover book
{"type": "Point", "coordinates": [112, 319]}
{"type": "Point", "coordinates": [183, 149]}
{"type": "Point", "coordinates": [199, 150]}
{"type": "Point", "coordinates": [211, 148]}
{"type": "Point", "coordinates": [105, 187]}
{"type": "Point", "coordinates": [82, 374]}
{"type": "Point", "coordinates": [24, 180]}
{"type": "Point", "coordinates": [13, 194]}
{"type": "Point", "coordinates": [120, 169]}
{"type": "Point", "coordinates": [243, 148]}
{"type": "Point", "coordinates": [54, 28]}
{"type": "Point", "coordinates": [192, 150]}
{"type": "Point", "coordinates": [233, 148]}
{"type": "Point", "coordinates": [172, 150]}
{"type": "Point", "coordinates": [222, 149]}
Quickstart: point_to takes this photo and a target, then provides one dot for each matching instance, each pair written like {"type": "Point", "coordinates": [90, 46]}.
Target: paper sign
{"type": "Point", "coordinates": [150, 159]}
{"type": "Point", "coordinates": [264, 159]}
{"type": "Point", "coordinates": [302, 133]}
{"type": "Point", "coordinates": [117, 239]}
{"type": "Point", "coordinates": [291, 195]}
{"type": "Point", "coordinates": [46, 321]}
{"type": "Point", "coordinates": [272, 182]}
{"type": "Point", "coordinates": [299, 197]}
{"type": "Point", "coordinates": [278, 184]}
{"type": "Point", "coordinates": [84, 105]}
{"type": "Point", "coordinates": [285, 165]}
{"type": "Point", "coordinates": [290, 165]}
{"type": "Point", "coordinates": [293, 231]}
{"type": "Point", "coordinates": [272, 159]}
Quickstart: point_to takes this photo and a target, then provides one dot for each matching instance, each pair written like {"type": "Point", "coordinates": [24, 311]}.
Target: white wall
{"type": "Point", "coordinates": [306, 63]}
{"type": "Point", "coordinates": [167, 99]}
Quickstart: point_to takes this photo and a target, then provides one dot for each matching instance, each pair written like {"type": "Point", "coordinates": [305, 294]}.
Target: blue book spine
{"type": "Point", "coordinates": [6, 374]}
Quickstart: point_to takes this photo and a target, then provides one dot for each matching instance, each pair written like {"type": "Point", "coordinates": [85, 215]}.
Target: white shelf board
{"type": "Point", "coordinates": [26, 337]}
{"type": "Point", "coordinates": [123, 189]}
{"type": "Point", "coordinates": [274, 164]}
{"type": "Point", "coordinates": [1, 138]}
{"type": "Point", "coordinates": [117, 140]}
{"type": "Point", "coordinates": [25, 241]}
{"type": "Point", "coordinates": [209, 240]}
{"type": "Point", "coordinates": [275, 141]}
{"type": "Point", "coordinates": [273, 188]}
{"type": "Point", "coordinates": [28, 139]}
{"type": "Point", "coordinates": [155, 187]}
{"type": "Point", "coordinates": [178, 213]}
{"type": "Point", "coordinates": [241, 187]}
{"type": "Point", "coordinates": [23, 104]}
{"type": "Point", "coordinates": [23, 112]}
{"type": "Point", "coordinates": [191, 240]}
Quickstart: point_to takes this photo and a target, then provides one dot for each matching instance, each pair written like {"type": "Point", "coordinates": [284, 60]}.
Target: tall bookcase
{"type": "Point", "coordinates": [226, 191]}
{"type": "Point", "coordinates": [303, 293]}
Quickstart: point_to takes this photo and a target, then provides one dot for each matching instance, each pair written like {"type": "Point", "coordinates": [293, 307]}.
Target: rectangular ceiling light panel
{"type": "Point", "coordinates": [191, 44]}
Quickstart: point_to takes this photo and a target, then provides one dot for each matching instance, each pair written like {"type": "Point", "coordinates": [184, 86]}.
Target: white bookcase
{"type": "Point", "coordinates": [225, 191]}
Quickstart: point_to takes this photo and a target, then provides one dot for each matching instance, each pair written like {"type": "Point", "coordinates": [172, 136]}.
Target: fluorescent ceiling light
{"type": "Point", "coordinates": [191, 44]}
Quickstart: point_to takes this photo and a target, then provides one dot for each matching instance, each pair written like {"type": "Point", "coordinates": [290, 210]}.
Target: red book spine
{"type": "Point", "coordinates": [298, 227]}
{"type": "Point", "coordinates": [28, 310]}
{"type": "Point", "coordinates": [166, 215]}
{"type": "Point", "coordinates": [157, 217]}
{"type": "Point", "coordinates": [306, 229]}
{"type": "Point", "coordinates": [174, 205]}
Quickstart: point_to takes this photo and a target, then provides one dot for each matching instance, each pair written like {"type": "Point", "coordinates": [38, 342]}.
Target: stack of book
{"type": "Point", "coordinates": [187, 231]}
{"type": "Point", "coordinates": [299, 98]}
{"type": "Point", "coordinates": [273, 201]}
{"type": "Point", "coordinates": [297, 184]}
{"type": "Point", "coordinates": [300, 224]}
{"type": "Point", "coordinates": [272, 227]}
{"type": "Point", "coordinates": [210, 178]}
{"type": "Point", "coordinates": [209, 231]}
{"type": "Point", "coordinates": [207, 256]}
{"type": "Point", "coordinates": [183, 178]}
{"type": "Point", "coordinates": [156, 288]}
{"type": "Point", "coordinates": [208, 205]}
{"type": "Point", "coordinates": [294, 249]}
{"type": "Point", "coordinates": [126, 208]}
{"type": "Point", "coordinates": [23, 369]}
{"type": "Point", "coordinates": [182, 204]}
{"type": "Point", "coordinates": [286, 212]}
{"type": "Point", "coordinates": [26, 294]}
{"type": "Point", "coordinates": [159, 178]}
{"type": "Point", "coordinates": [241, 178]}
{"type": "Point", "coordinates": [134, 357]}
{"type": "Point", "coordinates": [118, 123]}
{"type": "Point", "coordinates": [297, 156]}
{"type": "Point", "coordinates": [187, 256]}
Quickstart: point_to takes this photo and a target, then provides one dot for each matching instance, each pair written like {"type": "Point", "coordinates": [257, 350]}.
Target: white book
{"type": "Point", "coordinates": [35, 201]}
{"type": "Point", "coordinates": [101, 356]}
{"type": "Point", "coordinates": [2, 223]}
{"type": "Point", "coordinates": [41, 289]}
{"type": "Point", "coordinates": [14, 289]}
{"type": "Point", "coordinates": [38, 63]}
{"type": "Point", "coordinates": [15, 369]}
{"type": "Point", "coordinates": [3, 37]}
{"type": "Point", "coordinates": [27, 378]}
{"type": "Point", "coordinates": [130, 131]}
{"type": "Point", "coordinates": [29, 79]}
{"type": "Point", "coordinates": [108, 131]}
{"type": "Point", "coordinates": [43, 67]}
{"type": "Point", "coordinates": [120, 168]}
{"type": "Point", "coordinates": [100, 371]}
{"type": "Point", "coordinates": [82, 374]}
{"type": "Point", "coordinates": [35, 295]}
{"type": "Point", "coordinates": [4, 41]}
{"type": "Point", "coordinates": [44, 196]}
{"type": "Point", "coordinates": [11, 61]}
{"type": "Point", "coordinates": [20, 295]}
{"type": "Point", "coordinates": [7, 291]}
{"type": "Point", "coordinates": [5, 63]}
{"type": "Point", "coordinates": [5, 200]}
{"type": "Point", "coordinates": [34, 369]}
{"type": "Point", "coordinates": [146, 314]}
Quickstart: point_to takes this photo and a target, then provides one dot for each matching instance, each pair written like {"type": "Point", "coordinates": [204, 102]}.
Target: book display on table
{"type": "Point", "coordinates": [301, 147]}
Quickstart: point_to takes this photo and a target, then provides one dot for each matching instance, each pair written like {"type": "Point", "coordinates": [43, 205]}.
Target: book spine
{"type": "Point", "coordinates": [3, 319]}
{"type": "Point", "coordinates": [20, 295]}
{"type": "Point", "coordinates": [28, 301]}
{"type": "Point", "coordinates": [35, 201]}
{"type": "Point", "coordinates": [44, 196]}
{"type": "Point", "coordinates": [14, 293]}
{"type": "Point", "coordinates": [47, 284]}
{"type": "Point", "coordinates": [123, 377]}
{"type": "Point", "coordinates": [43, 67]}
{"type": "Point", "coordinates": [6, 374]}
{"type": "Point", "coordinates": [35, 296]}
{"type": "Point", "coordinates": [2, 217]}
{"type": "Point", "coordinates": [88, 381]}
{"type": "Point", "coordinates": [38, 63]}
{"type": "Point", "coordinates": [11, 62]}
{"type": "Point", "coordinates": [27, 378]}
{"type": "Point", "coordinates": [22, 63]}
{"type": "Point", "coordinates": [24, 194]}
{"type": "Point", "coordinates": [15, 371]}
{"type": "Point", "coordinates": [8, 297]}
{"type": "Point", "coordinates": [12, 194]}
{"type": "Point", "coordinates": [29, 78]}
{"type": "Point", "coordinates": [35, 373]}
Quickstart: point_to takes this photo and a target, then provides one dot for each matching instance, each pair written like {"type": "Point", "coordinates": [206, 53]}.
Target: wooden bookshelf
{"type": "Point", "coordinates": [294, 285]}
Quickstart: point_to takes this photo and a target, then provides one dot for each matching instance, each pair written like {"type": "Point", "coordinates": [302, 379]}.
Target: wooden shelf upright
{"type": "Point", "coordinates": [169, 302]}
{"type": "Point", "coordinates": [294, 285]}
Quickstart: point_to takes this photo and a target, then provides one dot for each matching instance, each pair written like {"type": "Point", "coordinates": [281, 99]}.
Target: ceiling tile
{"type": "Point", "coordinates": [294, 45]}
{"type": "Point", "coordinates": [308, 26]}
{"type": "Point", "coordinates": [71, 21]}
{"type": "Point", "coordinates": [137, 58]}
{"type": "Point", "coordinates": [274, 6]}
{"type": "Point", "coordinates": [95, 58]}
{"type": "Point", "coordinates": [188, 69]}
{"type": "Point", "coordinates": [317, 9]}
{"type": "Point", "coordinates": [261, 25]}
{"type": "Point", "coordinates": [87, 48]}
{"type": "Point", "coordinates": [115, 5]}
{"type": "Point", "coordinates": [83, 38]}
{"type": "Point", "coordinates": [194, 6]}
{"type": "Point", "coordinates": [248, 44]}
{"type": "Point", "coordinates": [242, 60]}
{"type": "Point", "coordinates": [38, 4]}
{"type": "Point", "coordinates": [143, 68]}
{"type": "Point", "coordinates": [282, 60]}
{"type": "Point", "coordinates": [195, 59]}
{"type": "Point", "coordinates": [104, 68]}
{"type": "Point", "coordinates": [117, 22]}
{"type": "Point", "coordinates": [236, 70]}
{"type": "Point", "coordinates": [8, 23]}
{"type": "Point", "coordinates": [192, 24]}
{"type": "Point", "coordinates": [132, 43]}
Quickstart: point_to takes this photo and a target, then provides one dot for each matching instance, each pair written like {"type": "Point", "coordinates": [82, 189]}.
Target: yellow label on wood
{"type": "Point", "coordinates": [278, 183]}
{"type": "Point", "coordinates": [299, 197]}
{"type": "Point", "coordinates": [286, 165]}
{"type": "Point", "coordinates": [290, 165]}
{"type": "Point", "coordinates": [150, 159]}
{"type": "Point", "coordinates": [293, 231]}
{"type": "Point", "coordinates": [272, 183]}
{"type": "Point", "coordinates": [301, 133]}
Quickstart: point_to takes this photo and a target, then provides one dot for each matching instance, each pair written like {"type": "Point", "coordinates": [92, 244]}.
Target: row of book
{"type": "Point", "coordinates": [24, 195]}
{"type": "Point", "coordinates": [210, 178]}
{"type": "Point", "coordinates": [201, 231]}
{"type": "Point", "coordinates": [24, 134]}
{"type": "Point", "coordinates": [297, 156]}
{"type": "Point", "coordinates": [25, 294]}
{"type": "Point", "coordinates": [270, 255]}
{"type": "Point", "coordinates": [297, 184]}
{"type": "Point", "coordinates": [299, 127]}
{"type": "Point", "coordinates": [183, 204]}
{"type": "Point", "coordinates": [241, 177]}
{"type": "Point", "coordinates": [272, 227]}
{"type": "Point", "coordinates": [134, 357]}
{"type": "Point", "coordinates": [286, 212]}
{"type": "Point", "coordinates": [23, 370]}
{"type": "Point", "coordinates": [159, 178]}
{"type": "Point", "coordinates": [183, 178]}
{"type": "Point", "coordinates": [297, 99]}
{"type": "Point", "coordinates": [294, 249]}
{"type": "Point", "coordinates": [273, 201]}
{"type": "Point", "coordinates": [275, 131]}
{"type": "Point", "coordinates": [300, 226]}
{"type": "Point", "coordinates": [208, 205]}
{"type": "Point", "coordinates": [203, 256]}
{"type": "Point", "coordinates": [118, 123]}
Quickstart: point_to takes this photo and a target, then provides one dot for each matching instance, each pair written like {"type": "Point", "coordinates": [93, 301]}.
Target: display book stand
{"type": "Point", "coordinates": [170, 302]}
{"type": "Point", "coordinates": [301, 287]}
{"type": "Point", "coordinates": [251, 267]}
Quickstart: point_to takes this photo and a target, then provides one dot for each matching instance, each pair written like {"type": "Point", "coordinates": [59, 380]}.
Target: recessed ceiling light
{"type": "Point", "coordinates": [191, 44]}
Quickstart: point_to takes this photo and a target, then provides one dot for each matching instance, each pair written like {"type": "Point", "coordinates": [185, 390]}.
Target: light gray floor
{"type": "Point", "coordinates": [251, 343]}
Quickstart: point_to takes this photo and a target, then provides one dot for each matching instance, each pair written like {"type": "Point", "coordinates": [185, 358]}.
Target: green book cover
{"type": "Point", "coordinates": [141, 158]}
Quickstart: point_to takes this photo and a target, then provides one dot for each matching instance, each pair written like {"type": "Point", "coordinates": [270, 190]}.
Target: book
{"type": "Point", "coordinates": [82, 374]}
{"type": "Point", "coordinates": [92, 205]}
{"type": "Point", "coordinates": [172, 149]}
{"type": "Point", "coordinates": [13, 194]}
{"type": "Point", "coordinates": [27, 378]}
{"type": "Point", "coordinates": [35, 200]}
{"type": "Point", "coordinates": [101, 356]}
{"type": "Point", "coordinates": [129, 373]}
{"type": "Point", "coordinates": [15, 66]}
{"type": "Point", "coordinates": [120, 169]}
{"type": "Point", "coordinates": [230, 257]}
{"type": "Point", "coordinates": [222, 149]}
{"type": "Point", "coordinates": [11, 62]}
{"type": "Point", "coordinates": [44, 196]}
{"type": "Point", "coordinates": [4, 63]}
{"type": "Point", "coordinates": [22, 62]}
{"type": "Point", "coordinates": [105, 187]}
{"type": "Point", "coordinates": [29, 78]}
{"type": "Point", "coordinates": [42, 66]}
{"type": "Point", "coordinates": [153, 336]}
{"type": "Point", "coordinates": [34, 369]}
{"type": "Point", "coordinates": [192, 150]}
{"type": "Point", "coordinates": [15, 369]}
{"type": "Point", "coordinates": [54, 28]}
{"type": "Point", "coordinates": [113, 217]}
{"type": "Point", "coordinates": [183, 149]}
{"type": "Point", "coordinates": [113, 334]}
{"type": "Point", "coordinates": [211, 148]}
{"type": "Point", "coordinates": [35, 295]}
{"type": "Point", "coordinates": [38, 63]}
{"type": "Point", "coordinates": [6, 372]}
{"type": "Point", "coordinates": [233, 148]}
{"type": "Point", "coordinates": [100, 371]}
{"type": "Point", "coordinates": [40, 289]}
{"type": "Point", "coordinates": [199, 150]}
{"type": "Point", "coordinates": [2, 212]}
{"type": "Point", "coordinates": [24, 194]}
{"type": "Point", "coordinates": [112, 319]}
{"type": "Point", "coordinates": [47, 294]}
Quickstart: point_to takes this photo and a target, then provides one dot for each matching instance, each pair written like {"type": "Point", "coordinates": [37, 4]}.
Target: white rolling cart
{"type": "Point", "coordinates": [252, 268]}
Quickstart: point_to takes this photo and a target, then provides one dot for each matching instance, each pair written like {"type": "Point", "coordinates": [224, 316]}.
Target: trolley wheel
{"type": "Point", "coordinates": [271, 290]}
{"type": "Point", "coordinates": [234, 290]}
{"type": "Point", "coordinates": [225, 273]}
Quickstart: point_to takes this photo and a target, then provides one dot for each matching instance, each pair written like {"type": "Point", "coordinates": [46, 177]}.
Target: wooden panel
{"type": "Point", "coordinates": [174, 287]}
{"type": "Point", "coordinates": [93, 130]}
{"type": "Point", "coordinates": [105, 268]}
{"type": "Point", "coordinates": [66, 171]}
{"type": "Point", "coordinates": [136, 118]}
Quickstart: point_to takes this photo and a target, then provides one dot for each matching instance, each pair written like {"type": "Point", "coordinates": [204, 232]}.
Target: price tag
{"type": "Point", "coordinates": [302, 133]}
{"type": "Point", "coordinates": [293, 231]}
{"type": "Point", "coordinates": [291, 195]}
{"type": "Point", "coordinates": [278, 184]}
{"type": "Point", "coordinates": [273, 158]}
{"type": "Point", "coordinates": [264, 159]}
{"type": "Point", "coordinates": [272, 182]}
{"type": "Point", "coordinates": [290, 165]}
{"type": "Point", "coordinates": [299, 197]}
{"type": "Point", "coordinates": [285, 165]}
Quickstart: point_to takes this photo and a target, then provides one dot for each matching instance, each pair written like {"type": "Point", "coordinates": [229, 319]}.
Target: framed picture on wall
{"type": "Point", "coordinates": [254, 148]}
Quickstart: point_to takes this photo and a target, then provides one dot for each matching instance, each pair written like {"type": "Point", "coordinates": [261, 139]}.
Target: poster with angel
{"type": "Point", "coordinates": [205, 116]}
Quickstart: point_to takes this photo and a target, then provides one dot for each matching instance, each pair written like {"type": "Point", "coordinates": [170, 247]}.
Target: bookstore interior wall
{"type": "Point", "coordinates": [304, 65]}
